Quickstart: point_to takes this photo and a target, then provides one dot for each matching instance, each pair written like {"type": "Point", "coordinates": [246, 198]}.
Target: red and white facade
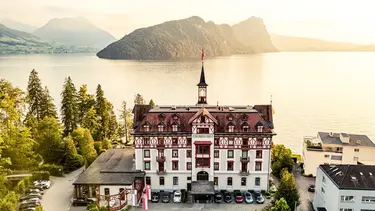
{"type": "Point", "coordinates": [228, 145]}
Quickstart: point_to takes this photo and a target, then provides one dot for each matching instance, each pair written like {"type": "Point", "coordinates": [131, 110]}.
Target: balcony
{"type": "Point", "coordinates": [160, 159]}
{"type": "Point", "coordinates": [161, 172]}
{"type": "Point", "coordinates": [244, 173]}
{"type": "Point", "coordinates": [245, 159]}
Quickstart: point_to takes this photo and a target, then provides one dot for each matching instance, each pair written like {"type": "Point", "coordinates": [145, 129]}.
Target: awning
{"type": "Point", "coordinates": [202, 142]}
{"type": "Point", "coordinates": [202, 188]}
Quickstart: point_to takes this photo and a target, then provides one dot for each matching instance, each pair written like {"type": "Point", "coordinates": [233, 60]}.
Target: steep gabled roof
{"type": "Point", "coordinates": [203, 112]}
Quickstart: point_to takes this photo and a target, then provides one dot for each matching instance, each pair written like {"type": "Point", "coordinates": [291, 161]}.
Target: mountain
{"type": "Point", "coordinates": [183, 39]}
{"type": "Point", "coordinates": [74, 31]}
{"type": "Point", "coordinates": [252, 32]}
{"type": "Point", "coordinates": [289, 43]}
{"type": "Point", "coordinates": [17, 42]}
{"type": "Point", "coordinates": [18, 25]}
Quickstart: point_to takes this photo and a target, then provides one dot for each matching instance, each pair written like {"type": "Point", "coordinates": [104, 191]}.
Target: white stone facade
{"type": "Point", "coordinates": [334, 153]}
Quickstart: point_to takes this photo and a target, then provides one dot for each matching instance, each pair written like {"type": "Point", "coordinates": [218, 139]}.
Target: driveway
{"type": "Point", "coordinates": [305, 196]}
{"type": "Point", "coordinates": [58, 196]}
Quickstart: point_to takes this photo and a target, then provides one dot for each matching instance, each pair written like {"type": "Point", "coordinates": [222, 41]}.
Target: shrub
{"type": "Point", "coordinates": [54, 170]}
{"type": "Point", "coordinates": [28, 181]}
{"type": "Point", "coordinates": [40, 175]}
{"type": "Point", "coordinates": [92, 207]}
{"type": "Point", "coordinates": [21, 187]}
{"type": "Point", "coordinates": [98, 146]}
{"type": "Point", "coordinates": [127, 207]}
{"type": "Point", "coordinates": [73, 162]}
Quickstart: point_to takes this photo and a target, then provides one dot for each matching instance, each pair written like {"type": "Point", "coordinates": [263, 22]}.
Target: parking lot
{"type": "Point", "coordinates": [305, 196]}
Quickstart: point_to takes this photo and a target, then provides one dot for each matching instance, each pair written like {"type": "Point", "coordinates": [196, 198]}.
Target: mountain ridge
{"type": "Point", "coordinates": [182, 39]}
{"type": "Point", "coordinates": [76, 31]}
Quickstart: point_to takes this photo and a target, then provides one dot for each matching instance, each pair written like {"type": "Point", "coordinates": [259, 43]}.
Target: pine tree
{"type": "Point", "coordinates": [82, 137]}
{"type": "Point", "coordinates": [138, 99]}
{"type": "Point", "coordinates": [101, 108]}
{"type": "Point", "coordinates": [91, 121]}
{"type": "Point", "coordinates": [85, 101]}
{"type": "Point", "coordinates": [288, 190]}
{"type": "Point", "coordinates": [48, 108]}
{"type": "Point", "coordinates": [152, 103]}
{"type": "Point", "coordinates": [112, 124]}
{"type": "Point", "coordinates": [69, 106]}
{"type": "Point", "coordinates": [126, 118]}
{"type": "Point", "coordinates": [35, 95]}
{"type": "Point", "coordinates": [281, 205]}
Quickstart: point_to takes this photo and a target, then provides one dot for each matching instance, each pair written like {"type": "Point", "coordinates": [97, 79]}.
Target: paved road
{"type": "Point", "coordinates": [305, 196]}
{"type": "Point", "coordinates": [58, 196]}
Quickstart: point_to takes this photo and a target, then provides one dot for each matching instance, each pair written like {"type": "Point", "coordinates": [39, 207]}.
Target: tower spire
{"type": "Point", "coordinates": [202, 85]}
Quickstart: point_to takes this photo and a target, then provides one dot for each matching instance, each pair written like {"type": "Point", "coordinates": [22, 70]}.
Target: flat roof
{"type": "Point", "coordinates": [352, 177]}
{"type": "Point", "coordinates": [113, 167]}
{"type": "Point", "coordinates": [196, 108]}
{"type": "Point", "coordinates": [354, 139]}
{"type": "Point", "coordinates": [202, 187]}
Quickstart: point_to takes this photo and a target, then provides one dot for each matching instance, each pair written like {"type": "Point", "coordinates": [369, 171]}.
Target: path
{"type": "Point", "coordinates": [58, 196]}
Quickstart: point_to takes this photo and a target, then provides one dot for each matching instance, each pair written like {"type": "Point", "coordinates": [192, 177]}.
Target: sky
{"type": "Point", "coordinates": [341, 20]}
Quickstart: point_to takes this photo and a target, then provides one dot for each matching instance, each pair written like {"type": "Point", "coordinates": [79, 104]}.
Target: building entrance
{"type": "Point", "coordinates": [202, 176]}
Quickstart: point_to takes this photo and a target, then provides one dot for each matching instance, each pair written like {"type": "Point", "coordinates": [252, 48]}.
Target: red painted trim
{"type": "Point", "coordinates": [144, 153]}
{"type": "Point", "coordinates": [149, 165]}
{"type": "Point", "coordinates": [173, 162]}
{"type": "Point", "coordinates": [174, 156]}
{"type": "Point", "coordinates": [261, 154]}
{"type": "Point", "coordinates": [202, 142]}
{"type": "Point", "coordinates": [256, 162]}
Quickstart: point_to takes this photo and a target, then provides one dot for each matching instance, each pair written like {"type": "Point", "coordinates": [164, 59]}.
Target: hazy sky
{"type": "Point", "coordinates": [346, 20]}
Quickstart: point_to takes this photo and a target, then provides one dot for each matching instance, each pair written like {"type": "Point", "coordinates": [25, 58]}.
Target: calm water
{"type": "Point", "coordinates": [311, 91]}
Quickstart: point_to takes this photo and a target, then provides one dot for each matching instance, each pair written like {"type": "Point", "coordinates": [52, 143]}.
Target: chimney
{"type": "Point", "coordinates": [344, 138]}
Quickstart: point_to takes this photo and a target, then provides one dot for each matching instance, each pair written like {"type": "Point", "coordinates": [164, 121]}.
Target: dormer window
{"type": "Point", "coordinates": [146, 128]}
{"type": "Point", "coordinates": [245, 128]}
{"type": "Point", "coordinates": [231, 128]}
{"type": "Point", "coordinates": [260, 129]}
{"type": "Point", "coordinates": [160, 128]}
{"type": "Point", "coordinates": [175, 128]}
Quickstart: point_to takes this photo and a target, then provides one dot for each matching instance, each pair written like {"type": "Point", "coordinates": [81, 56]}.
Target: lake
{"type": "Point", "coordinates": [311, 92]}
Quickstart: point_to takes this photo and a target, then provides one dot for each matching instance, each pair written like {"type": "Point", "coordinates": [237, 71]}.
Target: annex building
{"type": "Point", "coordinates": [202, 147]}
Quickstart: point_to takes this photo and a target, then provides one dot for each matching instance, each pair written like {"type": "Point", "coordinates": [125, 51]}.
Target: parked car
{"type": "Point", "coordinates": [39, 187]}
{"type": "Point", "coordinates": [238, 196]}
{"type": "Point", "coordinates": [155, 197]}
{"type": "Point", "coordinates": [248, 197]}
{"type": "Point", "coordinates": [28, 209]}
{"type": "Point", "coordinates": [227, 197]}
{"type": "Point", "coordinates": [26, 204]}
{"type": "Point", "coordinates": [35, 195]}
{"type": "Point", "coordinates": [45, 184]}
{"type": "Point", "coordinates": [259, 198]}
{"type": "Point", "coordinates": [82, 202]}
{"type": "Point", "coordinates": [218, 197]}
{"type": "Point", "coordinates": [34, 190]}
{"type": "Point", "coordinates": [165, 198]}
{"type": "Point", "coordinates": [177, 196]}
{"type": "Point", "coordinates": [311, 188]}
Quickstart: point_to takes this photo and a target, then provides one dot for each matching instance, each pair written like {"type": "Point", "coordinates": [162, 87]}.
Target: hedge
{"type": "Point", "coordinates": [73, 162]}
{"type": "Point", "coordinates": [40, 175]}
{"type": "Point", "coordinates": [54, 170]}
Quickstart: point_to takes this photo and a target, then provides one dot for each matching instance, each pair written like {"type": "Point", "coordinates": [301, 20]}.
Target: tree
{"type": "Point", "coordinates": [281, 205]}
{"type": "Point", "coordinates": [69, 106]}
{"type": "Point", "coordinates": [83, 139]}
{"type": "Point", "coordinates": [138, 99]}
{"type": "Point", "coordinates": [106, 144]}
{"type": "Point", "coordinates": [85, 102]}
{"type": "Point", "coordinates": [17, 147]}
{"type": "Point", "coordinates": [112, 124]}
{"type": "Point", "coordinates": [152, 103]}
{"type": "Point", "coordinates": [34, 95]}
{"type": "Point", "coordinates": [91, 121]}
{"type": "Point", "coordinates": [127, 119]}
{"type": "Point", "coordinates": [101, 107]}
{"type": "Point", "coordinates": [48, 108]}
{"type": "Point", "coordinates": [49, 139]}
{"type": "Point", "coordinates": [288, 190]}
{"type": "Point", "coordinates": [281, 158]}
{"type": "Point", "coordinates": [72, 160]}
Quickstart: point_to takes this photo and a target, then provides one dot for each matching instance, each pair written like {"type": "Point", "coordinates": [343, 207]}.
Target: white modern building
{"type": "Point", "coordinates": [345, 188]}
{"type": "Point", "coordinates": [336, 148]}
{"type": "Point", "coordinates": [111, 178]}
{"type": "Point", "coordinates": [211, 146]}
